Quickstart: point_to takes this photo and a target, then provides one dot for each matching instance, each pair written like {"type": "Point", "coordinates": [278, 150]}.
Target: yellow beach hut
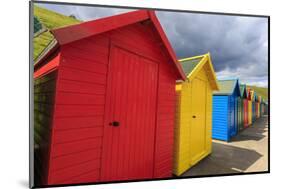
{"type": "Point", "coordinates": [250, 111]}
{"type": "Point", "coordinates": [193, 130]}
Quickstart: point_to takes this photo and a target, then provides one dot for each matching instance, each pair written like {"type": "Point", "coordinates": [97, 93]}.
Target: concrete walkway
{"type": "Point", "coordinates": [246, 152]}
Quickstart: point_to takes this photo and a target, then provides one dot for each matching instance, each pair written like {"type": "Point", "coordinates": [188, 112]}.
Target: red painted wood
{"type": "Point", "coordinates": [89, 177]}
{"type": "Point", "coordinates": [79, 31]}
{"type": "Point", "coordinates": [63, 176]}
{"type": "Point", "coordinates": [78, 110]}
{"type": "Point", "coordinates": [90, 65]}
{"type": "Point", "coordinates": [83, 76]}
{"type": "Point", "coordinates": [47, 68]}
{"type": "Point", "coordinates": [168, 46]}
{"type": "Point", "coordinates": [87, 55]}
{"type": "Point", "coordinates": [63, 149]}
{"type": "Point", "coordinates": [164, 138]}
{"type": "Point", "coordinates": [79, 87]}
{"type": "Point", "coordinates": [65, 161]}
{"type": "Point", "coordinates": [138, 89]}
{"type": "Point", "coordinates": [47, 57]}
{"type": "Point", "coordinates": [72, 135]}
{"type": "Point", "coordinates": [78, 122]}
{"type": "Point", "coordinates": [123, 36]}
{"type": "Point", "coordinates": [79, 113]}
{"type": "Point", "coordinates": [132, 140]}
{"type": "Point", "coordinates": [71, 98]}
{"type": "Point", "coordinates": [84, 30]}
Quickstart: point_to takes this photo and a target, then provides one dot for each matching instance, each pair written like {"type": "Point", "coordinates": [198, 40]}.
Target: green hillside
{"type": "Point", "coordinates": [50, 20]}
{"type": "Point", "coordinates": [263, 91]}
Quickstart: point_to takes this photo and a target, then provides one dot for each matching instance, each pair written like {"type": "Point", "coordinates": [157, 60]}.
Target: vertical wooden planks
{"type": "Point", "coordinates": [130, 140]}
{"type": "Point", "coordinates": [165, 122]}
{"type": "Point", "coordinates": [220, 117]}
{"type": "Point", "coordinates": [209, 112]}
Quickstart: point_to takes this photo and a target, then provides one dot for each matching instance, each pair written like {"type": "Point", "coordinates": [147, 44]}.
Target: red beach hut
{"type": "Point", "coordinates": [105, 101]}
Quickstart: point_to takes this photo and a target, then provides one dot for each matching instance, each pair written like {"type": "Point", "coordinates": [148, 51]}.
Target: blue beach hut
{"type": "Point", "coordinates": [225, 110]}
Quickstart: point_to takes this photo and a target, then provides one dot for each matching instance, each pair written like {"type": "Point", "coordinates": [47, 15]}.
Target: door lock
{"type": "Point", "coordinates": [114, 124]}
{"type": "Point", "coordinates": [194, 116]}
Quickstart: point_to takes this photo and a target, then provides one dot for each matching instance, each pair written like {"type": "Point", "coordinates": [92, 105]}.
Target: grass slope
{"type": "Point", "coordinates": [263, 91]}
{"type": "Point", "coordinates": [51, 20]}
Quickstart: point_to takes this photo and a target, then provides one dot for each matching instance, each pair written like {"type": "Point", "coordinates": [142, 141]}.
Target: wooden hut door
{"type": "Point", "coordinates": [130, 117]}
{"type": "Point", "coordinates": [198, 120]}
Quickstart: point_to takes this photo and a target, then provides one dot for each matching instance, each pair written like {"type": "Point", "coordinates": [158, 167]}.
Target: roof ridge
{"type": "Point", "coordinates": [230, 89]}
{"type": "Point", "coordinates": [83, 30]}
{"type": "Point", "coordinates": [89, 30]}
{"type": "Point", "coordinates": [192, 57]}
{"type": "Point", "coordinates": [196, 63]}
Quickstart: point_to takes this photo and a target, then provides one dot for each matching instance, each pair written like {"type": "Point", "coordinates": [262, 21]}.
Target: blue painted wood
{"type": "Point", "coordinates": [225, 115]}
{"type": "Point", "coordinates": [220, 118]}
{"type": "Point", "coordinates": [231, 116]}
{"type": "Point", "coordinates": [235, 117]}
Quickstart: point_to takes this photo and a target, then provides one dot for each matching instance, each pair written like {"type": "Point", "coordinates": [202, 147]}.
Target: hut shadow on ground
{"type": "Point", "coordinates": [243, 137]}
{"type": "Point", "coordinates": [255, 132]}
{"type": "Point", "coordinates": [229, 159]}
{"type": "Point", "coordinates": [224, 159]}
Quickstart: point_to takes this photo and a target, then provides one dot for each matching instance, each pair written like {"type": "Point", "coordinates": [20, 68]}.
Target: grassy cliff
{"type": "Point", "coordinates": [263, 91]}
{"type": "Point", "coordinates": [50, 20]}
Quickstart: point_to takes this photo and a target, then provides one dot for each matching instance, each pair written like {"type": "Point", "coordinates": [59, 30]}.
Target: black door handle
{"type": "Point", "coordinates": [194, 116]}
{"type": "Point", "coordinates": [114, 124]}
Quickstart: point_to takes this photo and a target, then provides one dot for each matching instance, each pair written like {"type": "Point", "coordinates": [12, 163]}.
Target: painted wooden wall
{"type": "Point", "coordinates": [232, 116]}
{"type": "Point", "coordinates": [250, 111]}
{"type": "Point", "coordinates": [183, 150]}
{"type": "Point", "coordinates": [76, 147]}
{"type": "Point", "coordinates": [220, 118]}
{"type": "Point", "coordinates": [240, 113]}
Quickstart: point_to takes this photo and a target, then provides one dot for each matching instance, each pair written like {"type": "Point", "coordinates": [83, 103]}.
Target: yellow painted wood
{"type": "Point", "coordinates": [193, 139]}
{"type": "Point", "coordinates": [252, 95]}
{"type": "Point", "coordinates": [258, 110]}
{"type": "Point", "coordinates": [250, 112]}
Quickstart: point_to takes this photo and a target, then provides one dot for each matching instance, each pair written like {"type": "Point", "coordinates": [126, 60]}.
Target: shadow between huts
{"type": "Point", "coordinates": [255, 132]}
{"type": "Point", "coordinates": [246, 137]}
{"type": "Point", "coordinates": [224, 159]}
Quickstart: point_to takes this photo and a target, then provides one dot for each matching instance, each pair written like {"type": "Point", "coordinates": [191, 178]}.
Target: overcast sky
{"type": "Point", "coordinates": [238, 45]}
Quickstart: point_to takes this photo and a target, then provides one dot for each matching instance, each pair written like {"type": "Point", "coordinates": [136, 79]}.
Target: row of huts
{"type": "Point", "coordinates": [112, 103]}
{"type": "Point", "coordinates": [209, 109]}
{"type": "Point", "coordinates": [236, 106]}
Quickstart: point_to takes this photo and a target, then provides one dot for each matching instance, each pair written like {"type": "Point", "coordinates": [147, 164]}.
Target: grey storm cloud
{"type": "Point", "coordinates": [238, 45]}
{"type": "Point", "coordinates": [232, 41]}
